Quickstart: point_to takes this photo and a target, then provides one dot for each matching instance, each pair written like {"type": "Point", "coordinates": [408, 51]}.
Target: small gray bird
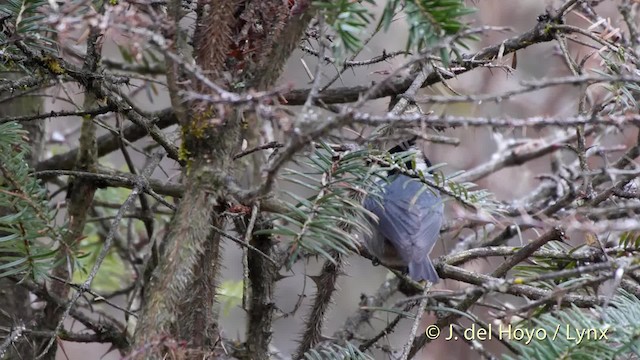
{"type": "Point", "coordinates": [409, 219]}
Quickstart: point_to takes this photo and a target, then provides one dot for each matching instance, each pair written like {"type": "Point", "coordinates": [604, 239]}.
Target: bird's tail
{"type": "Point", "coordinates": [423, 270]}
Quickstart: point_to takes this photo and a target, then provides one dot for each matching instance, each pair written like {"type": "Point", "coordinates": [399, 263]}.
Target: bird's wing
{"type": "Point", "coordinates": [411, 223]}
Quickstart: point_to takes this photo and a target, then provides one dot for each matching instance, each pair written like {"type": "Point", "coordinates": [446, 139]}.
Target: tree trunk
{"type": "Point", "coordinates": [180, 298]}
{"type": "Point", "coordinates": [14, 299]}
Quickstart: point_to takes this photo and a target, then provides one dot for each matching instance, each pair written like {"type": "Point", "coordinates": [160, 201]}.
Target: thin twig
{"type": "Point", "coordinates": [245, 261]}
{"type": "Point", "coordinates": [142, 184]}
{"type": "Point", "coordinates": [416, 323]}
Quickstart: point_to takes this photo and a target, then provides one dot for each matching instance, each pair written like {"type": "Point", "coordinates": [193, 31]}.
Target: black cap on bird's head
{"type": "Point", "coordinates": [404, 146]}
{"type": "Point", "coordinates": [420, 159]}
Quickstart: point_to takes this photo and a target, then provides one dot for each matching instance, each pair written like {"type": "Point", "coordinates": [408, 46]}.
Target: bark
{"type": "Point", "coordinates": [261, 305]}
{"type": "Point", "coordinates": [326, 287]}
{"type": "Point", "coordinates": [80, 193]}
{"type": "Point", "coordinates": [14, 299]}
{"type": "Point", "coordinates": [248, 41]}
